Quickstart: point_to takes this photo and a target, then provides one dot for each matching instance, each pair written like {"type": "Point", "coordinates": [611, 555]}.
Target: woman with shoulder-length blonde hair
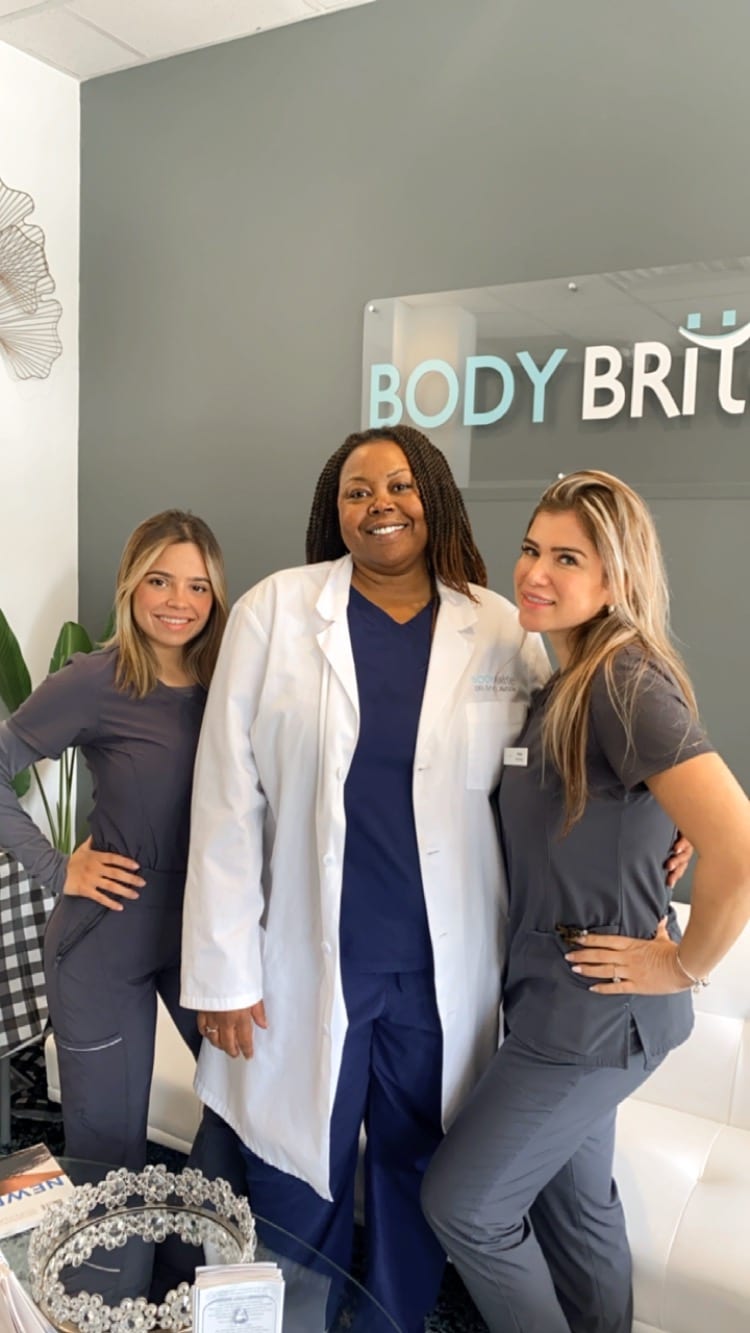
{"type": "Point", "coordinates": [135, 708]}
{"type": "Point", "coordinates": [597, 982]}
{"type": "Point", "coordinates": [137, 662]}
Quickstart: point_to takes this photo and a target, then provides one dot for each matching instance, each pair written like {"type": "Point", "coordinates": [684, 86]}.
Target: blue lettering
{"type": "Point", "coordinates": [496, 363]}
{"type": "Point", "coordinates": [433, 367]}
{"type": "Point", "coordinates": [385, 393]}
{"type": "Point", "coordinates": [540, 377]}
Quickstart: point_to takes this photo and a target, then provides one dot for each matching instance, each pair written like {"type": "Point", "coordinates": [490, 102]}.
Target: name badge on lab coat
{"type": "Point", "coordinates": [515, 756]}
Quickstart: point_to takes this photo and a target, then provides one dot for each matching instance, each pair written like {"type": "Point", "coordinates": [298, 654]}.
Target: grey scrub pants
{"type": "Point", "coordinates": [103, 971]}
{"type": "Point", "coordinates": [521, 1195]}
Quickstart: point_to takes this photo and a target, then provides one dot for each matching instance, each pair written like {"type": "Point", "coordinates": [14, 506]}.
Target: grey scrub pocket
{"type": "Point", "coordinates": [550, 1007]}
{"type": "Point", "coordinates": [71, 921]}
{"type": "Point", "coordinates": [94, 1074]}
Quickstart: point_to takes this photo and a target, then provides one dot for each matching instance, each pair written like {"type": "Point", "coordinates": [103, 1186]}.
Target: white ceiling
{"type": "Point", "coordinates": [90, 37]}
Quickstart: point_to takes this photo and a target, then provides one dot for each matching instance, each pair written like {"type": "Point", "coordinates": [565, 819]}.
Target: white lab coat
{"type": "Point", "coordinates": [267, 846]}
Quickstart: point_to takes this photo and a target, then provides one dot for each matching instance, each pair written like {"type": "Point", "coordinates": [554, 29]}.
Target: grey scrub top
{"type": "Point", "coordinates": [140, 753]}
{"type": "Point", "coordinates": [607, 874]}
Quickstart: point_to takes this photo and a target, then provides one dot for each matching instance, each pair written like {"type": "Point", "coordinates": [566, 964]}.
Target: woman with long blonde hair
{"type": "Point", "coordinates": [597, 983]}
{"type": "Point", "coordinates": [113, 941]}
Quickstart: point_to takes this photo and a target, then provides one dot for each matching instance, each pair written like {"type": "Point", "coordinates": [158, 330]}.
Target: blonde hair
{"type": "Point", "coordinates": [136, 662]}
{"type": "Point", "coordinates": [620, 526]}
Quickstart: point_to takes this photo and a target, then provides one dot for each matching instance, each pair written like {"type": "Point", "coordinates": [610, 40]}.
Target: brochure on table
{"type": "Point", "coordinates": [246, 1296]}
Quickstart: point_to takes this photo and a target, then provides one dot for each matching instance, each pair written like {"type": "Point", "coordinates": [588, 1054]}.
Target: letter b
{"type": "Point", "coordinates": [607, 380]}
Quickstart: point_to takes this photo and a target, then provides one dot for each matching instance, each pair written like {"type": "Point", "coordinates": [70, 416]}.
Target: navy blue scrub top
{"type": "Point", "coordinates": [383, 924]}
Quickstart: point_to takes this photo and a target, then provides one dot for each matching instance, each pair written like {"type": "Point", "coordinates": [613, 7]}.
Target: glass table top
{"type": "Point", "coordinates": [319, 1297]}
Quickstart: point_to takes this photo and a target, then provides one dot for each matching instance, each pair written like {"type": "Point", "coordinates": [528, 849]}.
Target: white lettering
{"type": "Point", "coordinates": [689, 381]}
{"type": "Point", "coordinates": [652, 378]}
{"type": "Point", "coordinates": [726, 369]}
{"type": "Point", "coordinates": [607, 381]}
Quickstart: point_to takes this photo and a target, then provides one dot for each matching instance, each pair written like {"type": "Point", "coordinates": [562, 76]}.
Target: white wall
{"type": "Point", "coordinates": [39, 154]}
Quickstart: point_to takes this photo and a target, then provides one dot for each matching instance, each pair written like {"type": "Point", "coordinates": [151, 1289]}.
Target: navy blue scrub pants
{"type": "Point", "coordinates": [103, 971]}
{"type": "Point", "coordinates": [522, 1197]}
{"type": "Point", "coordinates": [390, 1081]}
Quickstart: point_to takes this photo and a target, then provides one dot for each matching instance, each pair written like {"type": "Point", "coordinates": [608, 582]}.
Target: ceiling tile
{"type": "Point", "coordinates": [18, 6]}
{"type": "Point", "coordinates": [164, 27]}
{"type": "Point", "coordinates": [329, 5]}
{"type": "Point", "coordinates": [91, 37]}
{"type": "Point", "coordinates": [61, 40]}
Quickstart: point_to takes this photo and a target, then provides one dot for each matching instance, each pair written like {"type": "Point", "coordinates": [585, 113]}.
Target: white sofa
{"type": "Point", "coordinates": [682, 1164]}
{"type": "Point", "coordinates": [683, 1168]}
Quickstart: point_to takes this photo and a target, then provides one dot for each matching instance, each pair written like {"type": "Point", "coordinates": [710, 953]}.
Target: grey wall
{"type": "Point", "coordinates": [241, 204]}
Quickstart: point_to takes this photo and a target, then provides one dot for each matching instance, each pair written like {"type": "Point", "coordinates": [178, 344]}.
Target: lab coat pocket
{"type": "Point", "coordinates": [491, 725]}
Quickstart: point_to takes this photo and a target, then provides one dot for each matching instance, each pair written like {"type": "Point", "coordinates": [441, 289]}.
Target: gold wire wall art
{"type": "Point", "coordinates": [28, 316]}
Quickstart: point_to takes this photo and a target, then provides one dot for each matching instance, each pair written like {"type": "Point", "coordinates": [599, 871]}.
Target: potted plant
{"type": "Point", "coordinates": [15, 687]}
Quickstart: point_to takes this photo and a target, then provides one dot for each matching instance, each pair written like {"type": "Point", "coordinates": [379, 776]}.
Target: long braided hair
{"type": "Point", "coordinates": [451, 552]}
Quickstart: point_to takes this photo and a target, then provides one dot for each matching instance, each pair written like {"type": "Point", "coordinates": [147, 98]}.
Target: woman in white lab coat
{"type": "Point", "coordinates": [346, 902]}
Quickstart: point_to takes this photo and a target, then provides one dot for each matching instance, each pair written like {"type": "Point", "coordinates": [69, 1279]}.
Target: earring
{"type": "Point", "coordinates": [611, 609]}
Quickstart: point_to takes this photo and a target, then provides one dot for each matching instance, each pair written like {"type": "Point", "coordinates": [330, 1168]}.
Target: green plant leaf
{"type": "Point", "coordinates": [15, 681]}
{"type": "Point", "coordinates": [15, 687]}
{"type": "Point", "coordinates": [71, 639]}
{"type": "Point", "coordinates": [109, 628]}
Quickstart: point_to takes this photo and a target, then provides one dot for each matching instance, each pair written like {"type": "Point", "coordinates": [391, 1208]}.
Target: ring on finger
{"type": "Point", "coordinates": [615, 979]}
{"type": "Point", "coordinates": [209, 1032]}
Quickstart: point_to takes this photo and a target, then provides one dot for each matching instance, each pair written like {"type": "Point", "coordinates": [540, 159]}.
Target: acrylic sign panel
{"type": "Point", "coordinates": [645, 373]}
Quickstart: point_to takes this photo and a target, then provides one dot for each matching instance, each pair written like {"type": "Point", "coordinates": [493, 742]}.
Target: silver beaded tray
{"type": "Point", "coordinates": [150, 1205]}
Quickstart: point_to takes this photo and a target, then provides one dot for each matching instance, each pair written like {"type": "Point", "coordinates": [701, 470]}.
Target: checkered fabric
{"type": "Point", "coordinates": [24, 908]}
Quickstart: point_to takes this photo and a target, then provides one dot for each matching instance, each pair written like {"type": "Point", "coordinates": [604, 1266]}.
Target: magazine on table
{"type": "Point", "coordinates": [30, 1180]}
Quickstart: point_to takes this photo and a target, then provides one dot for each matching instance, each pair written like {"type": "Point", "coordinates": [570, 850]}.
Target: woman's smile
{"type": "Point", "coordinates": [380, 511]}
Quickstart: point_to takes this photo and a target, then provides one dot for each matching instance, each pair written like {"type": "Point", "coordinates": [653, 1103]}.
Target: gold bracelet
{"type": "Point", "coordinates": [698, 983]}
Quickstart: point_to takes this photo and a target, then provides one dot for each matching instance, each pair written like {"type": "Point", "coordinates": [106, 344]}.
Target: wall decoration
{"type": "Point", "coordinates": [28, 316]}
